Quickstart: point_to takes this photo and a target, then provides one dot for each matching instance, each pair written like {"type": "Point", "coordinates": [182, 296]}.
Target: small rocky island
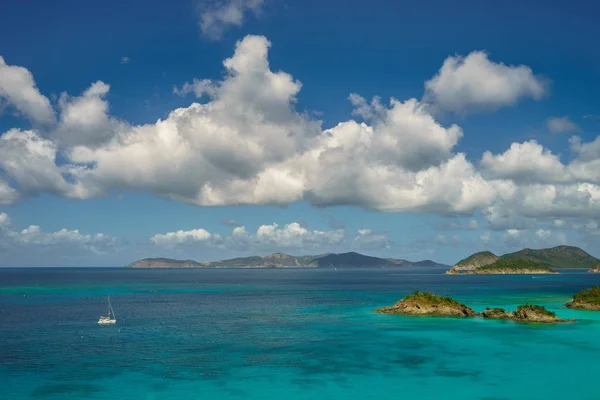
{"type": "Point", "coordinates": [524, 313]}
{"type": "Point", "coordinates": [428, 304]}
{"type": "Point", "coordinates": [500, 266]}
{"type": "Point", "coordinates": [587, 299]}
{"type": "Point", "coordinates": [595, 268]}
{"type": "Point", "coordinates": [432, 305]}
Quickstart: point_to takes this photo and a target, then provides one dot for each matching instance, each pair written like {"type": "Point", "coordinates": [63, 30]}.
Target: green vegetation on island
{"type": "Point", "coordinates": [281, 260]}
{"type": "Point", "coordinates": [557, 257]}
{"type": "Point", "coordinates": [473, 262]}
{"type": "Point", "coordinates": [595, 268]}
{"type": "Point", "coordinates": [547, 260]}
{"type": "Point", "coordinates": [587, 299]}
{"type": "Point", "coordinates": [513, 266]}
{"type": "Point", "coordinates": [429, 304]}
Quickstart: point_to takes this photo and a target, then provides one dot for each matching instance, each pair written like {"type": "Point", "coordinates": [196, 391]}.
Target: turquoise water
{"type": "Point", "coordinates": [286, 334]}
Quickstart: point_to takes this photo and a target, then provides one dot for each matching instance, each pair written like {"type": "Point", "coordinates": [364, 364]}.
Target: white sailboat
{"type": "Point", "coordinates": [110, 319]}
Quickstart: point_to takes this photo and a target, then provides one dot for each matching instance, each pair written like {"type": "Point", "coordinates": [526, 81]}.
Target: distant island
{"type": "Point", "coordinates": [587, 299]}
{"type": "Point", "coordinates": [432, 305]}
{"type": "Point", "coordinates": [281, 260]}
{"type": "Point", "coordinates": [526, 261]}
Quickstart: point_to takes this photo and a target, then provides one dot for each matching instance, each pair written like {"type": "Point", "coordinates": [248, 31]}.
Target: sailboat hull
{"type": "Point", "coordinates": [107, 321]}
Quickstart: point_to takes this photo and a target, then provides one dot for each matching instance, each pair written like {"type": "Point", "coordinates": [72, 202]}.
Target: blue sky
{"type": "Point", "coordinates": [497, 150]}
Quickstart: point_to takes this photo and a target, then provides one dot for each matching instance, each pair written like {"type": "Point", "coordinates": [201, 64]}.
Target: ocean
{"type": "Point", "coordinates": [287, 334]}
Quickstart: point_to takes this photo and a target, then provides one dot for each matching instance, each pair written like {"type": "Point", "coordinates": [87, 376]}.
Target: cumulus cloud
{"type": "Point", "coordinates": [222, 152]}
{"type": "Point", "coordinates": [217, 16]}
{"type": "Point", "coordinates": [34, 239]}
{"type": "Point", "coordinates": [85, 120]}
{"type": "Point", "coordinates": [171, 239]}
{"type": "Point", "coordinates": [366, 239]}
{"type": "Point", "coordinates": [525, 163]}
{"type": "Point", "coordinates": [31, 161]}
{"type": "Point", "coordinates": [475, 82]}
{"type": "Point", "coordinates": [18, 89]}
{"type": "Point", "coordinates": [559, 125]}
{"type": "Point", "coordinates": [273, 236]}
{"type": "Point", "coordinates": [8, 195]}
{"type": "Point", "coordinates": [244, 142]}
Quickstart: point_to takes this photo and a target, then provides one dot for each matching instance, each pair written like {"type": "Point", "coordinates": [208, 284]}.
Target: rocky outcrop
{"type": "Point", "coordinates": [473, 262]}
{"type": "Point", "coordinates": [496, 313]}
{"type": "Point", "coordinates": [595, 268]}
{"type": "Point", "coordinates": [582, 306]}
{"type": "Point", "coordinates": [428, 304]}
{"type": "Point", "coordinates": [526, 313]}
{"type": "Point", "coordinates": [536, 314]}
{"type": "Point", "coordinates": [587, 299]}
{"type": "Point", "coordinates": [431, 305]}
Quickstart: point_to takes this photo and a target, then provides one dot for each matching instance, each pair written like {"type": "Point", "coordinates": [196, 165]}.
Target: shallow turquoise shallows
{"type": "Point", "coordinates": [287, 334]}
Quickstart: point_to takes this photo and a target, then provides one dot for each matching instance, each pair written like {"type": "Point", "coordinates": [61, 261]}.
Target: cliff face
{"type": "Point", "coordinates": [473, 262]}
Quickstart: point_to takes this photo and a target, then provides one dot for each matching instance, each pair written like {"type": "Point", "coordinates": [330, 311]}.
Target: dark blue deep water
{"type": "Point", "coordinates": [286, 334]}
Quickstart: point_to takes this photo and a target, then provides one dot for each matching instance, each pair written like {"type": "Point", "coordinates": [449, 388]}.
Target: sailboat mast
{"type": "Point", "coordinates": [109, 307]}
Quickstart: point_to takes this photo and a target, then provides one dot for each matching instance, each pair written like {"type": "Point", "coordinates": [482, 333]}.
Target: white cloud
{"type": "Point", "coordinates": [125, 60]}
{"type": "Point", "coordinates": [559, 125]}
{"type": "Point", "coordinates": [525, 163]}
{"type": "Point", "coordinates": [171, 239]}
{"type": "Point", "coordinates": [4, 220]}
{"type": "Point", "coordinates": [200, 88]}
{"type": "Point", "coordinates": [85, 120]}
{"type": "Point", "coordinates": [244, 142]}
{"type": "Point", "coordinates": [366, 239]}
{"type": "Point", "coordinates": [31, 161]}
{"type": "Point", "coordinates": [289, 236]}
{"type": "Point", "coordinates": [34, 240]}
{"type": "Point", "coordinates": [18, 89]}
{"type": "Point", "coordinates": [8, 195]}
{"type": "Point", "coordinates": [227, 151]}
{"type": "Point", "coordinates": [217, 16]}
{"type": "Point", "coordinates": [296, 236]}
{"type": "Point", "coordinates": [474, 82]}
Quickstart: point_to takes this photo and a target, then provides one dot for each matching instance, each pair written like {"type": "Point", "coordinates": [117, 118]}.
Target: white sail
{"type": "Point", "coordinates": [108, 320]}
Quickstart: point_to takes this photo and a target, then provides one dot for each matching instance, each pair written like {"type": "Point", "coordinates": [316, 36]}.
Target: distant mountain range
{"type": "Point", "coordinates": [554, 257]}
{"type": "Point", "coordinates": [280, 260]}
